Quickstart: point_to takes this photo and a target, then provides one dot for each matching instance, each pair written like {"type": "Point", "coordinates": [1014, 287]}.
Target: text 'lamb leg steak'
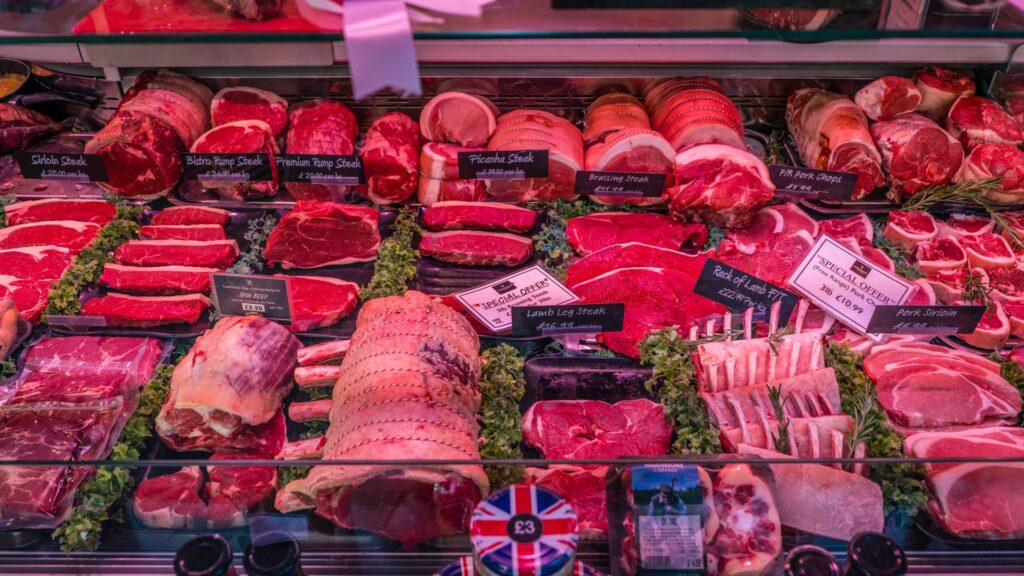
{"type": "Point", "coordinates": [316, 234]}
{"type": "Point", "coordinates": [410, 356]}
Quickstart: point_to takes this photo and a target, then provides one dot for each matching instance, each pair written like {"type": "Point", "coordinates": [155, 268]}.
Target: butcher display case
{"type": "Point", "coordinates": [511, 287]}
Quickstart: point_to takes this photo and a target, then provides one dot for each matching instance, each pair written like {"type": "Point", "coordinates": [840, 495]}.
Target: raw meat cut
{"type": "Point", "coordinates": [815, 393]}
{"type": "Point", "coordinates": [988, 251]}
{"type": "Point", "coordinates": [853, 228]}
{"type": "Point", "coordinates": [654, 298]}
{"type": "Point", "coordinates": [63, 233]}
{"type": "Point", "coordinates": [21, 127]}
{"type": "Point", "coordinates": [940, 254]}
{"type": "Point", "coordinates": [583, 487]}
{"type": "Point", "coordinates": [241, 137]}
{"type": "Point", "coordinates": [439, 176]}
{"type": "Point", "coordinates": [734, 364]}
{"type": "Point", "coordinates": [226, 393]}
{"type": "Point", "coordinates": [961, 225]}
{"type": "Point", "coordinates": [1003, 161]}
{"type": "Point", "coordinates": [36, 262]}
{"type": "Point", "coordinates": [441, 161]}
{"type": "Point", "coordinates": [320, 126]}
{"type": "Point", "coordinates": [939, 88]}
{"type": "Point", "coordinates": [975, 120]}
{"type": "Point", "coordinates": [1006, 283]}
{"type": "Point", "coordinates": [232, 491]}
{"type": "Point", "coordinates": [157, 280]}
{"type": "Point", "coordinates": [244, 103]}
{"type": "Point", "coordinates": [916, 153]}
{"type": "Point", "coordinates": [768, 224]}
{"type": "Point", "coordinates": [252, 9]}
{"type": "Point", "coordinates": [143, 311]}
{"type": "Point", "coordinates": [720, 185]}
{"type": "Point", "coordinates": [888, 97]}
{"type": "Point", "coordinates": [750, 531]}
{"type": "Point", "coordinates": [817, 437]}
{"type": "Point", "coordinates": [391, 152]}
{"type": "Point", "coordinates": [177, 100]}
{"type": "Point", "coordinates": [631, 255]}
{"type": "Point", "coordinates": [48, 209]}
{"type": "Point", "coordinates": [190, 215]}
{"type": "Point", "coordinates": [832, 133]}
{"type": "Point", "coordinates": [30, 295]}
{"type": "Point", "coordinates": [476, 248]}
{"type": "Point", "coordinates": [949, 284]}
{"type": "Point", "coordinates": [791, 18]}
{"type": "Point", "coordinates": [589, 429]}
{"type": "Point", "coordinates": [591, 233]}
{"type": "Point", "coordinates": [85, 355]}
{"type": "Point", "coordinates": [632, 150]}
{"type": "Point", "coordinates": [538, 130]}
{"type": "Point", "coordinates": [316, 234]}
{"type": "Point", "coordinates": [458, 118]}
{"type": "Point", "coordinates": [910, 228]}
{"type": "Point", "coordinates": [169, 500]}
{"type": "Point", "coordinates": [431, 355]}
{"type": "Point", "coordinates": [774, 261]}
{"type": "Point", "coordinates": [189, 232]}
{"type": "Point", "coordinates": [479, 215]}
{"type": "Point", "coordinates": [974, 499]}
{"type": "Point", "coordinates": [212, 254]}
{"type": "Point", "coordinates": [323, 352]}
{"type": "Point", "coordinates": [694, 111]}
{"type": "Point", "coordinates": [318, 301]}
{"type": "Point", "coordinates": [612, 112]}
{"type": "Point", "coordinates": [992, 331]}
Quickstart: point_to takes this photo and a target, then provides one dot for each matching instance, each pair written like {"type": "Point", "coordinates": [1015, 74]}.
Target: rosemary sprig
{"type": "Point", "coordinates": [968, 192]}
{"type": "Point", "coordinates": [775, 149]}
{"type": "Point", "coordinates": [778, 337]}
{"type": "Point", "coordinates": [975, 290]}
{"type": "Point", "coordinates": [251, 261]}
{"type": "Point", "coordinates": [780, 440]}
{"type": "Point", "coordinates": [715, 235]}
{"type": "Point", "coordinates": [897, 252]}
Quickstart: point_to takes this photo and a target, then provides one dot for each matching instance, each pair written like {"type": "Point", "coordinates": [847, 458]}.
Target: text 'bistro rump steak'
{"type": "Point", "coordinates": [316, 234]}
{"type": "Point", "coordinates": [415, 357]}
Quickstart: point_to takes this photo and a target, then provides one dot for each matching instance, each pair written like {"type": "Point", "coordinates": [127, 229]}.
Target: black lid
{"type": "Point", "coordinates": [203, 556]}
{"type": "Point", "coordinates": [811, 561]}
{"type": "Point", "coordinates": [875, 555]}
{"type": "Point", "coordinates": [272, 554]}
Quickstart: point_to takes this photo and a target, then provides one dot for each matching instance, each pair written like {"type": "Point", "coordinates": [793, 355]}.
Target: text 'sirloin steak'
{"type": "Point", "coordinates": [143, 311]}
{"type": "Point", "coordinates": [316, 234]}
{"type": "Point", "coordinates": [476, 248]}
{"type": "Point", "coordinates": [38, 262]}
{"type": "Point", "coordinates": [391, 156]}
{"type": "Point", "coordinates": [318, 301]}
{"type": "Point", "coordinates": [96, 211]}
{"type": "Point", "coordinates": [455, 215]}
{"type": "Point", "coordinates": [244, 103]}
{"type": "Point", "coordinates": [157, 280]}
{"type": "Point", "coordinates": [187, 215]}
{"type": "Point", "coordinates": [183, 232]}
{"type": "Point", "coordinates": [64, 233]}
{"type": "Point", "coordinates": [591, 233]}
{"type": "Point", "coordinates": [589, 429]}
{"type": "Point", "coordinates": [212, 254]}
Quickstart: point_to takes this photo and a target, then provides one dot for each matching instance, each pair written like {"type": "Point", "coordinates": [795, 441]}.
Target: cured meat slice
{"type": "Point", "coordinates": [910, 228]}
{"type": "Point", "coordinates": [479, 215]}
{"type": "Point", "coordinates": [36, 262]}
{"type": "Point", "coordinates": [316, 234]}
{"type": "Point", "coordinates": [168, 501]}
{"type": "Point", "coordinates": [591, 233]}
{"type": "Point", "coordinates": [63, 233]}
{"type": "Point", "coordinates": [1003, 161]}
{"type": "Point", "coordinates": [146, 151]}
{"type": "Point", "coordinates": [632, 255]}
{"type": "Point", "coordinates": [244, 137]}
{"type": "Point", "coordinates": [975, 120]}
{"type": "Point", "coordinates": [888, 97]}
{"type": "Point", "coordinates": [391, 151]}
{"type": "Point", "coordinates": [832, 133]}
{"type": "Point", "coordinates": [476, 248]}
{"type": "Point", "coordinates": [940, 254]}
{"type": "Point", "coordinates": [226, 393]}
{"type": "Point", "coordinates": [533, 130]}
{"type": "Point", "coordinates": [49, 209]}
{"type": "Point", "coordinates": [632, 150]}
{"type": "Point", "coordinates": [21, 127]}
{"type": "Point", "coordinates": [940, 87]}
{"type": "Point", "coordinates": [212, 254]}
{"type": "Point", "coordinates": [589, 429]}
{"type": "Point", "coordinates": [320, 126]}
{"type": "Point", "coordinates": [458, 118]}
{"type": "Point", "coordinates": [318, 301]}
{"type": "Point", "coordinates": [190, 215]}
{"type": "Point", "coordinates": [916, 153]}
{"type": "Point", "coordinates": [144, 311]}
{"type": "Point", "coordinates": [728, 365]}
{"type": "Point", "coordinates": [244, 103]}
{"type": "Point", "coordinates": [157, 280]}
{"type": "Point", "coordinates": [719, 185]}
{"type": "Point", "coordinates": [190, 232]}
{"type": "Point", "coordinates": [853, 228]}
{"type": "Point", "coordinates": [773, 261]}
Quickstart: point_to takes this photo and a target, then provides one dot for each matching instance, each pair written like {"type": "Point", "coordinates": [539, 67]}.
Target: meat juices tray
{"type": "Point", "coordinates": [11, 181]}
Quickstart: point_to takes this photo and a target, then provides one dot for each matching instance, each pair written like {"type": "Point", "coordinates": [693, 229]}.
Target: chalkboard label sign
{"type": "Point", "coordinates": [795, 182]}
{"type": "Point", "coordinates": [503, 165]}
{"type": "Point", "coordinates": [623, 184]}
{"type": "Point", "coordinates": [243, 295]}
{"type": "Point", "coordinates": [570, 319]}
{"type": "Point", "coordinates": [935, 320]}
{"type": "Point", "coordinates": [320, 168]}
{"type": "Point", "coordinates": [61, 166]}
{"type": "Point", "coordinates": [227, 167]}
{"type": "Point", "coordinates": [739, 291]}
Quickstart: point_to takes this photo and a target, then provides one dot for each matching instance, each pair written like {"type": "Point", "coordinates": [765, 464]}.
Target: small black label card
{"type": "Point", "coordinates": [624, 184]}
{"type": "Point", "coordinates": [227, 167]}
{"type": "Point", "coordinates": [503, 165]}
{"type": "Point", "coordinates": [242, 295]}
{"type": "Point", "coordinates": [737, 290]}
{"type": "Point", "coordinates": [807, 183]}
{"type": "Point", "coordinates": [567, 319]}
{"type": "Point", "coordinates": [320, 169]}
{"type": "Point", "coordinates": [61, 166]}
{"type": "Point", "coordinates": [936, 320]}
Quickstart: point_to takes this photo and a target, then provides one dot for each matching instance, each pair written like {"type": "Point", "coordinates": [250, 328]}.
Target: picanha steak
{"type": "Point", "coordinates": [476, 248]}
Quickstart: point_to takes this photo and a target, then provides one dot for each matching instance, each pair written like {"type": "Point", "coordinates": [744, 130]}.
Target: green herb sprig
{"type": "Point", "coordinates": [502, 386]}
{"type": "Point", "coordinates": [715, 236]}
{"type": "Point", "coordinates": [897, 252]}
{"type": "Point", "coordinates": [251, 261]}
{"type": "Point", "coordinates": [975, 291]}
{"type": "Point", "coordinates": [396, 259]}
{"type": "Point", "coordinates": [967, 192]}
{"type": "Point", "coordinates": [775, 149]}
{"type": "Point", "coordinates": [5, 200]}
{"type": "Point", "coordinates": [1011, 371]}
{"type": "Point", "coordinates": [780, 440]}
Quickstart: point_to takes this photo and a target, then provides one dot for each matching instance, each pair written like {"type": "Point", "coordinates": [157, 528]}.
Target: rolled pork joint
{"type": "Point", "coordinates": [408, 390]}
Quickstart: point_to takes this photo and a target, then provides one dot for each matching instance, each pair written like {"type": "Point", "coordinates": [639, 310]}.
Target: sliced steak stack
{"type": "Point", "coordinates": [320, 126]}
{"type": "Point", "coordinates": [457, 243]}
{"type": "Point", "coordinates": [538, 130]}
{"type": "Point", "coordinates": [413, 356]}
{"type": "Point", "coordinates": [390, 153]}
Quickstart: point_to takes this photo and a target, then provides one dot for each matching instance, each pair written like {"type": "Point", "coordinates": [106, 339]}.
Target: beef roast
{"type": "Point", "coordinates": [391, 151]}
{"type": "Point", "coordinates": [241, 137]}
{"type": "Point", "coordinates": [244, 103]}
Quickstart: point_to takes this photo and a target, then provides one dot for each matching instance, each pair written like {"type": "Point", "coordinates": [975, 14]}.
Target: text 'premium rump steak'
{"type": "Point", "coordinates": [316, 234]}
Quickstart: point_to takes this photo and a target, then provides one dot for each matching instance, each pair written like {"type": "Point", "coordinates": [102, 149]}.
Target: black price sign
{"type": "Point", "coordinates": [243, 295]}
{"type": "Point", "coordinates": [737, 290]}
{"type": "Point", "coordinates": [320, 168]}
{"type": "Point", "coordinates": [567, 319]}
{"type": "Point", "coordinates": [935, 320]}
{"type": "Point", "coordinates": [503, 165]}
{"type": "Point", "coordinates": [807, 183]}
{"type": "Point", "coordinates": [227, 167]}
{"type": "Point", "coordinates": [61, 166]}
{"type": "Point", "coordinates": [624, 184]}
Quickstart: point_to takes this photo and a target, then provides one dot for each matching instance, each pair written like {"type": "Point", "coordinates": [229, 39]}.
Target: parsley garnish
{"type": "Point", "coordinates": [396, 259]}
{"type": "Point", "coordinates": [502, 386]}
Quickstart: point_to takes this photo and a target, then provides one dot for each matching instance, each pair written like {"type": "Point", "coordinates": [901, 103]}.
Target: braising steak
{"type": "Point", "coordinates": [145, 311]}
{"type": "Point", "coordinates": [157, 280]}
{"type": "Point", "coordinates": [96, 211]}
{"type": "Point", "coordinates": [316, 234]}
{"type": "Point", "coordinates": [213, 254]}
{"type": "Point", "coordinates": [476, 248]}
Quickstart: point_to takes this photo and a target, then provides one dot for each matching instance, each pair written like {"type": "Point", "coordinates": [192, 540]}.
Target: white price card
{"type": "Point", "coordinates": [846, 285]}
{"type": "Point", "coordinates": [492, 303]}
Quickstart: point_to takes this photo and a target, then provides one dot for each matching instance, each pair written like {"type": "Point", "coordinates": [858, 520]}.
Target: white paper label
{"type": "Point", "coordinates": [847, 285]}
{"type": "Point", "coordinates": [671, 542]}
{"type": "Point", "coordinates": [492, 303]}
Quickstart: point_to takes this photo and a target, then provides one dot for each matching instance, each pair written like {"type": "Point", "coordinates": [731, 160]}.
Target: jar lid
{"type": "Point", "coordinates": [875, 554]}
{"type": "Point", "coordinates": [811, 561]}
{"type": "Point", "coordinates": [524, 529]}
{"type": "Point", "coordinates": [272, 554]}
{"type": "Point", "coordinates": [203, 556]}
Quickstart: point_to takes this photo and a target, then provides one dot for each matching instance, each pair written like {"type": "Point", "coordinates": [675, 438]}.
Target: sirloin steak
{"type": "Point", "coordinates": [214, 254]}
{"type": "Point", "coordinates": [48, 209]}
{"type": "Point", "coordinates": [316, 234]}
{"type": "Point", "coordinates": [144, 311]}
{"type": "Point", "coordinates": [64, 233]}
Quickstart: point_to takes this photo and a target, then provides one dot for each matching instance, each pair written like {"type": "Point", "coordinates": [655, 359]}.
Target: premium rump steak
{"type": "Point", "coordinates": [213, 254]}
{"type": "Point", "coordinates": [318, 301]}
{"type": "Point", "coordinates": [917, 153]}
{"type": "Point", "coordinates": [241, 137]}
{"type": "Point", "coordinates": [143, 311]}
{"type": "Point", "coordinates": [157, 280]}
{"type": "Point", "coordinates": [244, 103]}
{"type": "Point", "coordinates": [408, 390]}
{"type": "Point", "coordinates": [96, 211]}
{"type": "Point", "coordinates": [589, 429]}
{"type": "Point", "coordinates": [455, 215]}
{"type": "Point", "coordinates": [591, 233]}
{"type": "Point", "coordinates": [720, 185]}
{"type": "Point", "coordinates": [391, 154]}
{"type": "Point", "coordinates": [226, 393]}
{"type": "Point", "coordinates": [320, 126]}
{"type": "Point", "coordinates": [476, 248]}
{"type": "Point", "coordinates": [316, 234]}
